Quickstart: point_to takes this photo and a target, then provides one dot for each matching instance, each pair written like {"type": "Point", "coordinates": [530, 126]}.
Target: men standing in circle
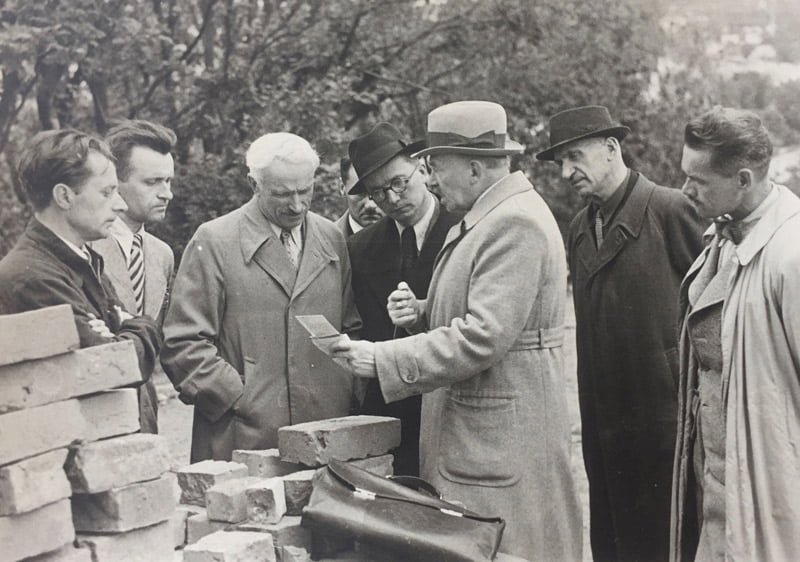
{"type": "Point", "coordinates": [139, 265]}
{"type": "Point", "coordinates": [628, 251]}
{"type": "Point", "coordinates": [487, 352]}
{"type": "Point", "coordinates": [737, 463]}
{"type": "Point", "coordinates": [361, 210]}
{"type": "Point", "coordinates": [400, 247]}
{"type": "Point", "coordinates": [233, 347]}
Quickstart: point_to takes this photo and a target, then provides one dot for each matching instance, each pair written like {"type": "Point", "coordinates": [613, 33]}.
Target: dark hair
{"type": "Point", "coordinates": [736, 138]}
{"type": "Point", "coordinates": [344, 168]}
{"type": "Point", "coordinates": [53, 157]}
{"type": "Point", "coordinates": [123, 137]}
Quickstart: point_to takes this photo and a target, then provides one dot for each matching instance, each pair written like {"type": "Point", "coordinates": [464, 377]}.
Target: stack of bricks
{"type": "Point", "coordinates": [250, 508]}
{"type": "Point", "coordinates": [77, 482]}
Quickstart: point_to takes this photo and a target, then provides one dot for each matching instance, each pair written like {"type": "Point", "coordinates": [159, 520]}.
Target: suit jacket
{"type": "Point", "coordinates": [343, 223]}
{"type": "Point", "coordinates": [233, 347]}
{"type": "Point", "coordinates": [495, 428]}
{"type": "Point", "coordinates": [375, 257]}
{"type": "Point", "coordinates": [159, 263]}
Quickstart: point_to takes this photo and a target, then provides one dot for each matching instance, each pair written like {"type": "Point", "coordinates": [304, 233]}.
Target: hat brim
{"type": "Point", "coordinates": [619, 133]}
{"type": "Point", "coordinates": [409, 149]}
{"type": "Point", "coordinates": [511, 147]}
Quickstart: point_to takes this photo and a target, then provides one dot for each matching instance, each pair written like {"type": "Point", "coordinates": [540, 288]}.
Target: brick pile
{"type": "Point", "coordinates": [77, 482]}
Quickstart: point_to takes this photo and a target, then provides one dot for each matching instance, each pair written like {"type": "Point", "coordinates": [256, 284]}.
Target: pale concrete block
{"type": "Point", "coordinates": [37, 333]}
{"type": "Point", "coordinates": [265, 463]}
{"type": "Point", "coordinates": [148, 544]}
{"type": "Point", "coordinates": [294, 554]}
{"type": "Point", "coordinates": [199, 525]}
{"type": "Point", "coordinates": [196, 478]}
{"type": "Point", "coordinates": [297, 490]}
{"type": "Point", "coordinates": [36, 532]}
{"type": "Point", "coordinates": [110, 413]}
{"type": "Point", "coordinates": [82, 372]}
{"type": "Point", "coordinates": [351, 437]}
{"type": "Point", "coordinates": [233, 546]}
{"type": "Point", "coordinates": [382, 465]}
{"type": "Point", "coordinates": [227, 500]}
{"type": "Point", "coordinates": [113, 463]}
{"type": "Point", "coordinates": [123, 509]}
{"type": "Point", "coordinates": [67, 553]}
{"type": "Point", "coordinates": [177, 522]}
{"type": "Point", "coordinates": [26, 433]}
{"type": "Point", "coordinates": [286, 532]}
{"type": "Point", "coordinates": [266, 502]}
{"type": "Point", "coordinates": [32, 483]}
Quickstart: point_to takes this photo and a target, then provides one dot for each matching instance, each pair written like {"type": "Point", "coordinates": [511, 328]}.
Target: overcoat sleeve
{"type": "Point", "coordinates": [683, 231]}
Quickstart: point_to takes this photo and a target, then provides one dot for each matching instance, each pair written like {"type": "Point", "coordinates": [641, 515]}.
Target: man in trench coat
{"type": "Point", "coordinates": [233, 346]}
{"type": "Point", "coordinates": [495, 432]}
{"type": "Point", "coordinates": [628, 251]}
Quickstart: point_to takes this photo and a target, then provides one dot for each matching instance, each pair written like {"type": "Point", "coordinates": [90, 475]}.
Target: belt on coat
{"type": "Point", "coordinates": [543, 338]}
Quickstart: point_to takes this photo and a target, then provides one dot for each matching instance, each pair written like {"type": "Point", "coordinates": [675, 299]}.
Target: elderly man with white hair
{"type": "Point", "coordinates": [234, 348]}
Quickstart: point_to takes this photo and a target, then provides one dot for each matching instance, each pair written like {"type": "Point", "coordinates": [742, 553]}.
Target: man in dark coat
{"type": "Point", "coordinates": [71, 182]}
{"type": "Point", "coordinates": [400, 247]}
{"type": "Point", "coordinates": [628, 251]}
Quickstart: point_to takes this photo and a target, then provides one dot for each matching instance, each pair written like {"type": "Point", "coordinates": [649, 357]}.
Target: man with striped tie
{"type": "Point", "coordinates": [139, 265]}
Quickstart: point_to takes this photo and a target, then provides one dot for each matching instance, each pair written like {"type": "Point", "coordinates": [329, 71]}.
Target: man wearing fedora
{"type": "Point", "coordinates": [361, 210]}
{"type": "Point", "coordinates": [487, 347]}
{"type": "Point", "coordinates": [400, 247]}
{"type": "Point", "coordinates": [628, 251]}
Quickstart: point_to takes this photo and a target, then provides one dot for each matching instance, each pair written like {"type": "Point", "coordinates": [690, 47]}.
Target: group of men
{"type": "Point", "coordinates": [449, 272]}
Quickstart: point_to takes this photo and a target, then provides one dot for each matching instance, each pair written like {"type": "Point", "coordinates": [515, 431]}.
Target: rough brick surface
{"type": "Point", "coordinates": [113, 463]}
{"type": "Point", "coordinates": [30, 432]}
{"type": "Point", "coordinates": [67, 553]}
{"type": "Point", "coordinates": [82, 372]}
{"type": "Point", "coordinates": [297, 490]}
{"type": "Point", "coordinates": [266, 463]}
{"type": "Point", "coordinates": [234, 546]}
{"type": "Point", "coordinates": [36, 334]}
{"type": "Point", "coordinates": [382, 465]}
{"type": "Point", "coordinates": [34, 482]}
{"type": "Point", "coordinates": [35, 532]}
{"type": "Point", "coordinates": [148, 544]}
{"type": "Point", "coordinates": [266, 502]}
{"type": "Point", "coordinates": [123, 509]}
{"type": "Point", "coordinates": [177, 523]}
{"type": "Point", "coordinates": [286, 532]}
{"type": "Point", "coordinates": [199, 525]}
{"type": "Point", "coordinates": [294, 554]}
{"type": "Point", "coordinates": [227, 500]}
{"type": "Point", "coordinates": [111, 413]}
{"type": "Point", "coordinates": [352, 437]}
{"type": "Point", "coordinates": [196, 478]}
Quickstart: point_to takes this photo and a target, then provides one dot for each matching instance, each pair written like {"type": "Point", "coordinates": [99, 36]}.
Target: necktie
{"type": "Point", "coordinates": [408, 252]}
{"type": "Point", "coordinates": [136, 270]}
{"type": "Point", "coordinates": [729, 229]}
{"type": "Point", "coordinates": [598, 228]}
{"type": "Point", "coordinates": [292, 250]}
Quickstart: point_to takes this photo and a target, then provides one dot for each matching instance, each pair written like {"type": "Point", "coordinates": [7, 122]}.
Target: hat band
{"type": "Point", "coordinates": [489, 139]}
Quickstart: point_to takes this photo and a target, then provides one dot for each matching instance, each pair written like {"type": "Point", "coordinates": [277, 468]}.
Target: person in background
{"type": "Point", "coordinates": [361, 210]}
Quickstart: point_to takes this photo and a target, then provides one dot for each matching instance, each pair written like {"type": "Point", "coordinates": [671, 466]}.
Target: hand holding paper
{"type": "Point", "coordinates": [355, 356]}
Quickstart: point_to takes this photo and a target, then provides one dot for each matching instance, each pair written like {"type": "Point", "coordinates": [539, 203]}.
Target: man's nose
{"type": "Point", "coordinates": [166, 191]}
{"type": "Point", "coordinates": [119, 205]}
{"type": "Point", "coordinates": [566, 170]}
{"type": "Point", "coordinates": [686, 188]}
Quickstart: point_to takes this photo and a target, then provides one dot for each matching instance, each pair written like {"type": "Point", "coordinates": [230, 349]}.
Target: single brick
{"type": "Point", "coordinates": [177, 523]}
{"type": "Point", "coordinates": [266, 463]}
{"type": "Point", "coordinates": [294, 554]}
{"type": "Point", "coordinates": [82, 372]}
{"type": "Point", "coordinates": [382, 465]}
{"type": "Point", "coordinates": [266, 502]}
{"type": "Point", "coordinates": [32, 483]}
{"type": "Point", "coordinates": [297, 489]}
{"type": "Point", "coordinates": [148, 544]}
{"type": "Point", "coordinates": [123, 509]}
{"type": "Point", "coordinates": [37, 430]}
{"type": "Point", "coordinates": [36, 532]}
{"type": "Point", "coordinates": [67, 553]}
{"type": "Point", "coordinates": [196, 478]}
{"type": "Point", "coordinates": [233, 546]}
{"type": "Point", "coordinates": [37, 333]}
{"type": "Point", "coordinates": [113, 463]}
{"type": "Point", "coordinates": [110, 413]}
{"type": "Point", "coordinates": [286, 532]}
{"type": "Point", "coordinates": [227, 501]}
{"type": "Point", "coordinates": [351, 437]}
{"type": "Point", "coordinates": [199, 525]}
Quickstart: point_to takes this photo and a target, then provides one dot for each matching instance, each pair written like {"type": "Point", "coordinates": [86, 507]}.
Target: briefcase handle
{"type": "Point", "coordinates": [417, 484]}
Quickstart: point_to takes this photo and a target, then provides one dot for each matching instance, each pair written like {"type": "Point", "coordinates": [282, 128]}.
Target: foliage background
{"type": "Point", "coordinates": [223, 72]}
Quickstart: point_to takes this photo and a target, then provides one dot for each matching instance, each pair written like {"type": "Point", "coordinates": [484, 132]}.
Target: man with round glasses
{"type": "Point", "coordinates": [401, 247]}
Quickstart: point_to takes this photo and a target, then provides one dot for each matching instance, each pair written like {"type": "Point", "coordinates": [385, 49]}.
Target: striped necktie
{"type": "Point", "coordinates": [292, 250]}
{"type": "Point", "coordinates": [136, 270]}
{"type": "Point", "coordinates": [598, 228]}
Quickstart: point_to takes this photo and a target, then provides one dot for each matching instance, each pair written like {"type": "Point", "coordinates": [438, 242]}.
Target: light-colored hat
{"type": "Point", "coordinates": [469, 127]}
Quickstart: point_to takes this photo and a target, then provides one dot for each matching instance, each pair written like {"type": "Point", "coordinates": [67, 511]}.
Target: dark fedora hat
{"type": "Point", "coordinates": [371, 151]}
{"type": "Point", "coordinates": [581, 123]}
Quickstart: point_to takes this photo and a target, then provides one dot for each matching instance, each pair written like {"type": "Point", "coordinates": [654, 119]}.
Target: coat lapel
{"type": "Point", "coordinates": [116, 268]}
{"type": "Point", "coordinates": [316, 255]}
{"type": "Point", "coordinates": [155, 279]}
{"type": "Point", "coordinates": [260, 245]}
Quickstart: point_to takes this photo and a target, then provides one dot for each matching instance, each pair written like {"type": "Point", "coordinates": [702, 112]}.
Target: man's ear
{"type": "Point", "coordinates": [745, 178]}
{"type": "Point", "coordinates": [63, 196]}
{"type": "Point", "coordinates": [475, 169]}
{"type": "Point", "coordinates": [612, 144]}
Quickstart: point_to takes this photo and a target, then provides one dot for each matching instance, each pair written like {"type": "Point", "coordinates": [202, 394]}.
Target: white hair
{"type": "Point", "coordinates": [283, 147]}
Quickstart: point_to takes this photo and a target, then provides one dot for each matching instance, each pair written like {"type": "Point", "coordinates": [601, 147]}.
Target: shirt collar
{"type": "Point", "coordinates": [354, 226]}
{"type": "Point", "coordinates": [122, 233]}
{"type": "Point", "coordinates": [421, 226]}
{"type": "Point", "coordinates": [296, 232]}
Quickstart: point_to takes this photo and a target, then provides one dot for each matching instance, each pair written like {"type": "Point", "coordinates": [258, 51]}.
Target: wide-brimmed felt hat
{"type": "Point", "coordinates": [469, 127]}
{"type": "Point", "coordinates": [581, 123]}
{"type": "Point", "coordinates": [371, 151]}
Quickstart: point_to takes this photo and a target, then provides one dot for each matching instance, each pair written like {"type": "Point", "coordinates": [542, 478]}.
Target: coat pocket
{"type": "Point", "coordinates": [478, 436]}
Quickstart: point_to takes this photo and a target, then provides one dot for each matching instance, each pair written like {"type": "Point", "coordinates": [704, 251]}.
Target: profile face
{"type": "Point", "coordinates": [449, 179]}
{"type": "Point", "coordinates": [284, 193]}
{"type": "Point", "coordinates": [148, 188]}
{"type": "Point", "coordinates": [97, 201]}
{"type": "Point", "coordinates": [363, 209]}
{"type": "Point", "coordinates": [712, 193]}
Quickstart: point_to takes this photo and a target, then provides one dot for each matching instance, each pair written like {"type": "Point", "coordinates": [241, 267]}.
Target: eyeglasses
{"type": "Point", "coordinates": [398, 184]}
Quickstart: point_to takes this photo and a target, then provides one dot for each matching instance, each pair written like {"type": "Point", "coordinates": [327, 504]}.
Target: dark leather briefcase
{"type": "Point", "coordinates": [387, 516]}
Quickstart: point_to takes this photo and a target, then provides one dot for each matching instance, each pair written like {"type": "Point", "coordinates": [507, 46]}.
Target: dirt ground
{"type": "Point", "coordinates": [175, 423]}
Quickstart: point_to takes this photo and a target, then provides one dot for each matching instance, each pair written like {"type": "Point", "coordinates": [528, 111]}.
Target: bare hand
{"type": "Point", "coordinates": [403, 306]}
{"type": "Point", "coordinates": [359, 355]}
{"type": "Point", "coordinates": [99, 326]}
